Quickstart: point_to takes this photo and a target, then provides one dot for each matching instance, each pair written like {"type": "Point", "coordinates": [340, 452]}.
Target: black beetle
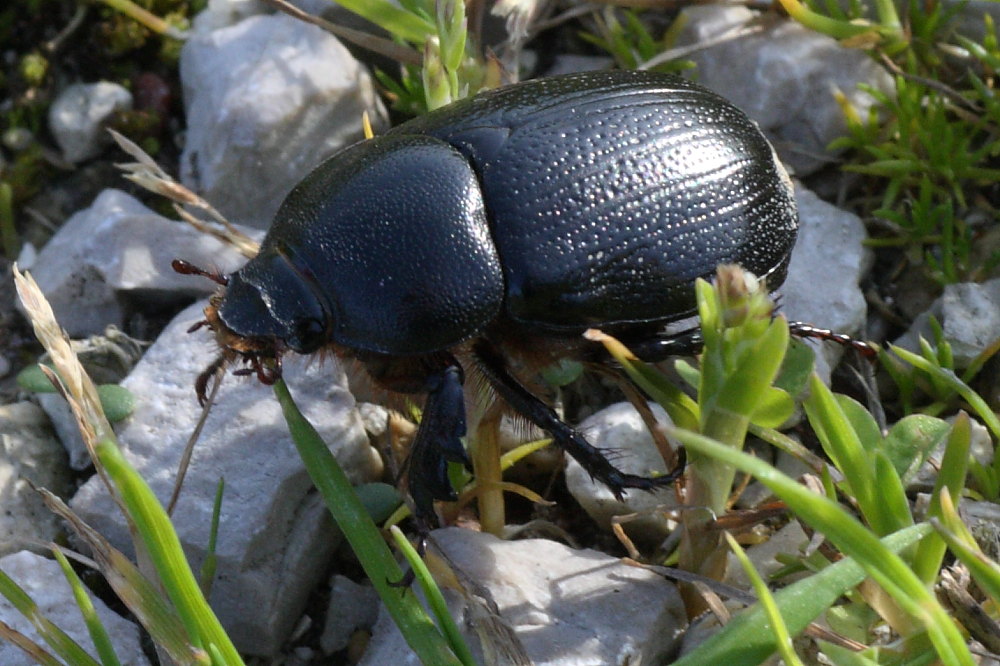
{"type": "Point", "coordinates": [489, 234]}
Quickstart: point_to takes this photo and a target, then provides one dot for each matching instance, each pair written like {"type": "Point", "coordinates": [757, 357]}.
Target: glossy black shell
{"type": "Point", "coordinates": [592, 199]}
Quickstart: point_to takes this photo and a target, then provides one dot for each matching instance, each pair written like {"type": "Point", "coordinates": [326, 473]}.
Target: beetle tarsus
{"type": "Point", "coordinates": [201, 384]}
{"type": "Point", "coordinates": [804, 330]}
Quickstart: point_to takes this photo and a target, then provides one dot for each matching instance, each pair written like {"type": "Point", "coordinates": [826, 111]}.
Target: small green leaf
{"type": "Point", "coordinates": [563, 372]}
{"type": "Point", "coordinates": [117, 401]}
{"type": "Point", "coordinates": [861, 421]}
{"type": "Point", "coordinates": [747, 640]}
{"type": "Point", "coordinates": [379, 499]}
{"type": "Point", "coordinates": [796, 368]}
{"type": "Point", "coordinates": [891, 508]}
{"type": "Point", "coordinates": [845, 657]}
{"type": "Point", "coordinates": [33, 379]}
{"type": "Point", "coordinates": [774, 408]}
{"type": "Point", "coordinates": [853, 620]}
{"type": "Point", "coordinates": [911, 440]}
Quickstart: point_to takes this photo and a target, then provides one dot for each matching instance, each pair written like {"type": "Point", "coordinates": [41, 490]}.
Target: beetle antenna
{"type": "Point", "coordinates": [187, 268]}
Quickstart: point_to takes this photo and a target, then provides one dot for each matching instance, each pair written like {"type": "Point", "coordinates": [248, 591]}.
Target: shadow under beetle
{"type": "Point", "coordinates": [486, 236]}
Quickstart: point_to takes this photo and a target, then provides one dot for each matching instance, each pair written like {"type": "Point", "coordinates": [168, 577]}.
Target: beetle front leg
{"type": "Point", "coordinates": [437, 443]}
{"type": "Point", "coordinates": [536, 411]}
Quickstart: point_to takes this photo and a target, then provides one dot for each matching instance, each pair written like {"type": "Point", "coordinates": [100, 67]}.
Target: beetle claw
{"type": "Point", "coordinates": [267, 375]}
{"type": "Point", "coordinates": [619, 482]}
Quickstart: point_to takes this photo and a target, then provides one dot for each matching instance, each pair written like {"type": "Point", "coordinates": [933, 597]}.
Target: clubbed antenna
{"type": "Point", "coordinates": [187, 268]}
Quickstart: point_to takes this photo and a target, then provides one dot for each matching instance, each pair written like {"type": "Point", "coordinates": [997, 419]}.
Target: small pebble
{"type": "Point", "coordinates": [77, 117]}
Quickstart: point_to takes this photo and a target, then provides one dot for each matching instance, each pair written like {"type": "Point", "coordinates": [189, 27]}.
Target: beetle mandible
{"type": "Point", "coordinates": [486, 236]}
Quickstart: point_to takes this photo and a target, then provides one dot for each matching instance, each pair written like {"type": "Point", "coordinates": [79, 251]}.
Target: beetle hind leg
{"type": "Point", "coordinates": [492, 365]}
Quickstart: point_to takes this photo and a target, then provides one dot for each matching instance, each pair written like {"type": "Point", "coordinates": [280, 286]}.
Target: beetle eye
{"type": "Point", "coordinates": [309, 335]}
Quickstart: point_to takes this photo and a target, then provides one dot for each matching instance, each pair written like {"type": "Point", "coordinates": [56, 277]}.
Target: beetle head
{"type": "Point", "coordinates": [267, 308]}
{"type": "Point", "coordinates": [271, 305]}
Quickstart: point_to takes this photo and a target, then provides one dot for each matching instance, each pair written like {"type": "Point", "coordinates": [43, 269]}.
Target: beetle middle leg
{"type": "Point", "coordinates": [492, 365]}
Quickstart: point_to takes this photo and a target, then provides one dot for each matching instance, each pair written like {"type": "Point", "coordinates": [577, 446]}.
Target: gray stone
{"type": "Point", "coordinates": [828, 263]}
{"type": "Point", "coordinates": [619, 428]}
{"type": "Point", "coordinates": [352, 607]}
{"type": "Point", "coordinates": [43, 580]}
{"type": "Point", "coordinates": [969, 314]}
{"type": "Point", "coordinates": [790, 540]}
{"type": "Point", "coordinates": [116, 250]}
{"type": "Point", "coordinates": [224, 13]}
{"type": "Point", "coordinates": [275, 536]}
{"type": "Point", "coordinates": [375, 418]}
{"type": "Point", "coordinates": [568, 63]}
{"type": "Point", "coordinates": [983, 520]}
{"type": "Point", "coordinates": [980, 450]}
{"type": "Point", "coordinates": [78, 115]}
{"type": "Point", "coordinates": [567, 607]}
{"type": "Point", "coordinates": [30, 453]}
{"type": "Point", "coordinates": [968, 21]}
{"type": "Point", "coordinates": [757, 493]}
{"type": "Point", "coordinates": [267, 99]}
{"type": "Point", "coordinates": [64, 423]}
{"type": "Point", "coordinates": [784, 77]}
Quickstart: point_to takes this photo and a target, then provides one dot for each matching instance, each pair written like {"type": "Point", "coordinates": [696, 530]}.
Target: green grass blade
{"type": "Point", "coordinates": [28, 646]}
{"type": "Point", "coordinates": [843, 530]}
{"type": "Point", "coordinates": [782, 637]}
{"type": "Point", "coordinates": [207, 572]}
{"type": "Point", "coordinates": [102, 642]}
{"type": "Point", "coordinates": [9, 242]}
{"type": "Point", "coordinates": [893, 508]}
{"type": "Point", "coordinates": [434, 598]}
{"type": "Point", "coordinates": [843, 657]}
{"type": "Point", "coordinates": [165, 552]}
{"type": "Point", "coordinates": [983, 570]}
{"type": "Point", "coordinates": [364, 537]}
{"type": "Point", "coordinates": [982, 410]}
{"type": "Point", "coordinates": [843, 445]}
{"type": "Point", "coordinates": [951, 480]}
{"type": "Point", "coordinates": [683, 411]}
{"type": "Point", "coordinates": [145, 600]}
{"type": "Point", "coordinates": [395, 20]}
{"type": "Point", "coordinates": [746, 639]}
{"type": "Point", "coordinates": [57, 639]}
